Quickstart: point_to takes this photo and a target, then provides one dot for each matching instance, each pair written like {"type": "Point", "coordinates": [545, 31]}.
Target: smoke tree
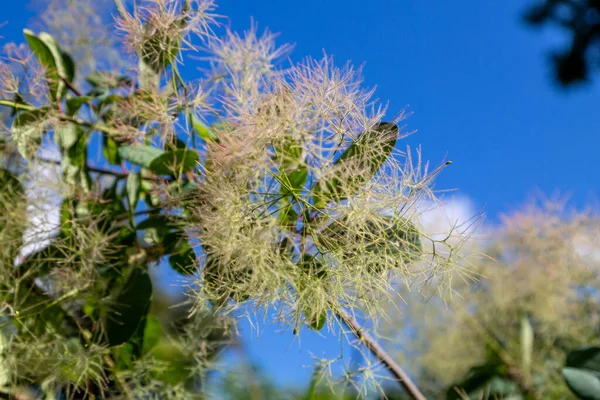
{"type": "Point", "coordinates": [509, 334]}
{"type": "Point", "coordinates": [270, 189]}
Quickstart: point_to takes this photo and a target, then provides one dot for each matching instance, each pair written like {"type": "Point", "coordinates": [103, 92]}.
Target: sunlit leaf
{"type": "Point", "coordinates": [205, 133]}
{"type": "Point", "coordinates": [318, 321]}
{"type": "Point", "coordinates": [159, 161]}
{"type": "Point", "coordinates": [152, 333]}
{"type": "Point", "coordinates": [133, 189]}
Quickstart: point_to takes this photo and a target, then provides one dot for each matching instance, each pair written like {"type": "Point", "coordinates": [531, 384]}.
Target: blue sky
{"type": "Point", "coordinates": [479, 85]}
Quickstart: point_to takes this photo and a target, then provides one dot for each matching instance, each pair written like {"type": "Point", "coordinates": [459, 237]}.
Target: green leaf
{"type": "Point", "coordinates": [183, 261]}
{"type": "Point", "coordinates": [27, 129]}
{"type": "Point", "coordinates": [129, 309]}
{"type": "Point", "coordinates": [297, 178]}
{"type": "Point", "coordinates": [367, 154]}
{"type": "Point", "coordinates": [133, 189]}
{"type": "Point", "coordinates": [157, 221]}
{"type": "Point", "coordinates": [53, 60]}
{"type": "Point", "coordinates": [292, 171]}
{"type": "Point", "coordinates": [175, 161]}
{"type": "Point", "coordinates": [183, 191]}
{"type": "Point", "coordinates": [202, 130]}
{"type": "Point", "coordinates": [73, 144]}
{"type": "Point", "coordinates": [152, 333]}
{"type": "Point", "coordinates": [66, 136]}
{"type": "Point", "coordinates": [178, 362]}
{"type": "Point", "coordinates": [312, 266]}
{"type": "Point", "coordinates": [75, 103]}
{"type": "Point", "coordinates": [585, 358]}
{"type": "Point", "coordinates": [149, 78]}
{"type": "Point", "coordinates": [293, 182]}
{"type": "Point", "coordinates": [318, 322]}
{"type": "Point", "coordinates": [177, 144]}
{"type": "Point", "coordinates": [66, 218]}
{"type": "Point", "coordinates": [110, 149]}
{"type": "Point", "coordinates": [159, 161]}
{"type": "Point", "coordinates": [140, 155]}
{"type": "Point", "coordinates": [26, 117]}
{"type": "Point", "coordinates": [69, 65]}
{"type": "Point", "coordinates": [9, 184]}
{"type": "Point", "coordinates": [173, 241]}
{"type": "Point", "coordinates": [287, 214]}
{"type": "Point", "coordinates": [11, 234]}
{"type": "Point", "coordinates": [584, 383]}
{"type": "Point", "coordinates": [77, 152]}
{"type": "Point", "coordinates": [123, 356]}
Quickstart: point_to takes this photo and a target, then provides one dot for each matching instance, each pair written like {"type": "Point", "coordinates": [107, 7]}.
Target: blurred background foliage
{"type": "Point", "coordinates": [509, 334]}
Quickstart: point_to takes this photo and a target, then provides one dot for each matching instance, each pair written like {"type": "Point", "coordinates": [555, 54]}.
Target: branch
{"type": "Point", "coordinates": [381, 354]}
{"type": "Point", "coordinates": [77, 92]}
{"type": "Point", "coordinates": [97, 127]}
{"type": "Point", "coordinates": [107, 171]}
{"type": "Point", "coordinates": [92, 169]}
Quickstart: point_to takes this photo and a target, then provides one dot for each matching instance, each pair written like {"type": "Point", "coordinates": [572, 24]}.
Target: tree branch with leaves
{"type": "Point", "coordinates": [267, 188]}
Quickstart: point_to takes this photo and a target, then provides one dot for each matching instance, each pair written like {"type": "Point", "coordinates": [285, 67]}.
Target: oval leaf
{"type": "Point", "coordinates": [52, 59]}
{"type": "Point", "coordinates": [585, 384]}
{"type": "Point", "coordinates": [175, 161]}
{"type": "Point", "coordinates": [318, 322]}
{"type": "Point", "coordinates": [110, 148]}
{"type": "Point", "coordinates": [140, 155]}
{"type": "Point", "coordinates": [133, 190]}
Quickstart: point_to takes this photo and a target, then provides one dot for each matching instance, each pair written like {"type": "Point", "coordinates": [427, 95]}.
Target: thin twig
{"type": "Point", "coordinates": [77, 92]}
{"type": "Point", "coordinates": [371, 344]}
{"type": "Point", "coordinates": [107, 172]}
{"type": "Point", "coordinates": [92, 169]}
